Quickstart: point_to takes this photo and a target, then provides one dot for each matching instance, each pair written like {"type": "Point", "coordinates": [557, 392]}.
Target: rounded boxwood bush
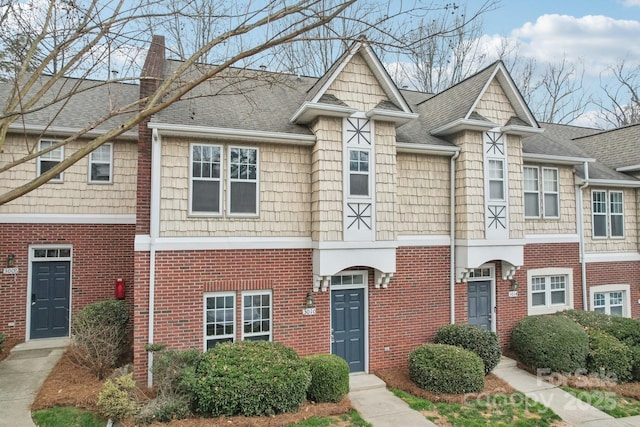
{"type": "Point", "coordinates": [556, 343]}
{"type": "Point", "coordinates": [249, 378]}
{"type": "Point", "coordinates": [625, 329]}
{"type": "Point", "coordinates": [608, 356]}
{"type": "Point", "coordinates": [482, 342]}
{"type": "Point", "coordinates": [443, 368]}
{"type": "Point", "coordinates": [587, 319]}
{"type": "Point", "coordinates": [329, 378]}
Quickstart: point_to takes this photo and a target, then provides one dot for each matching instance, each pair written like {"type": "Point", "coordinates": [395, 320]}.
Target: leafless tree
{"type": "Point", "coordinates": [620, 104]}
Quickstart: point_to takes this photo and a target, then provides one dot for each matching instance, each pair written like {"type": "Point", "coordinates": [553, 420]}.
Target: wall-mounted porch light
{"type": "Point", "coordinates": [514, 285]}
{"type": "Point", "coordinates": [11, 259]}
{"type": "Point", "coordinates": [309, 302]}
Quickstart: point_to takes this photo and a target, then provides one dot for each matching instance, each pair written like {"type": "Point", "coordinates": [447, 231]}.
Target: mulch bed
{"type": "Point", "coordinates": [7, 346]}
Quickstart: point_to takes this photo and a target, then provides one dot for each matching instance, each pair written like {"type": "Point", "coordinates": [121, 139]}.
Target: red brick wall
{"type": "Point", "coordinates": [617, 273]}
{"type": "Point", "coordinates": [101, 253]}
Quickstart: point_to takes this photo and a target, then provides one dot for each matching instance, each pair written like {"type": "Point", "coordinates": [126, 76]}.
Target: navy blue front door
{"type": "Point", "coordinates": [49, 298]}
{"type": "Point", "coordinates": [479, 297]}
{"type": "Point", "coordinates": [347, 324]}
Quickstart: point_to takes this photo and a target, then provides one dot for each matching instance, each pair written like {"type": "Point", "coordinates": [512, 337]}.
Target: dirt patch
{"type": "Point", "coordinates": [7, 346]}
{"type": "Point", "coordinates": [399, 379]}
{"type": "Point", "coordinates": [70, 385]}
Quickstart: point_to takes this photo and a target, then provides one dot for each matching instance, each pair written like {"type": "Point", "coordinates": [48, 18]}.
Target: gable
{"type": "Point", "coordinates": [494, 104]}
{"type": "Point", "coordinates": [357, 86]}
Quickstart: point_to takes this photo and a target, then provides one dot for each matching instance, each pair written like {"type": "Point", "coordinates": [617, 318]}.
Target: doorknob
{"type": "Point", "coordinates": [33, 299]}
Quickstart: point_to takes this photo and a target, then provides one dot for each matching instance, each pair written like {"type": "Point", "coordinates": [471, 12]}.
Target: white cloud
{"type": "Point", "coordinates": [631, 3]}
{"type": "Point", "coordinates": [599, 40]}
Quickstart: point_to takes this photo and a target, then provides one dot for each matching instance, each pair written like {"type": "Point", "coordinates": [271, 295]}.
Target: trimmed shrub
{"type": "Point", "coordinates": [443, 368]}
{"type": "Point", "coordinates": [587, 319]}
{"type": "Point", "coordinates": [116, 400]}
{"type": "Point", "coordinates": [329, 378]}
{"type": "Point", "coordinates": [556, 343]}
{"type": "Point", "coordinates": [99, 333]}
{"type": "Point", "coordinates": [609, 357]}
{"type": "Point", "coordinates": [625, 329]}
{"type": "Point", "coordinates": [2, 340]}
{"type": "Point", "coordinates": [482, 342]}
{"type": "Point", "coordinates": [635, 362]}
{"type": "Point", "coordinates": [249, 378]}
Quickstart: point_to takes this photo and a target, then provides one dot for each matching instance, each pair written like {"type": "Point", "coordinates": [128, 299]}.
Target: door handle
{"type": "Point", "coordinates": [33, 299]}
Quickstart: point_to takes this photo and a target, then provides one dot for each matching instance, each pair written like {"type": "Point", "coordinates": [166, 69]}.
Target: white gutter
{"type": "Point", "coordinates": [436, 150]}
{"type": "Point", "coordinates": [558, 160]}
{"type": "Point", "coordinates": [614, 183]}
{"type": "Point", "coordinates": [154, 232]}
{"type": "Point", "coordinates": [580, 221]}
{"type": "Point", "coordinates": [234, 134]}
{"type": "Point", "coordinates": [63, 131]}
{"type": "Point", "coordinates": [452, 243]}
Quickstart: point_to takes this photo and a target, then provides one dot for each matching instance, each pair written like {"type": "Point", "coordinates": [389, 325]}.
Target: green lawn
{"type": "Point", "coordinates": [608, 402]}
{"type": "Point", "coordinates": [353, 418]}
{"type": "Point", "coordinates": [500, 410]}
{"type": "Point", "coordinates": [67, 417]}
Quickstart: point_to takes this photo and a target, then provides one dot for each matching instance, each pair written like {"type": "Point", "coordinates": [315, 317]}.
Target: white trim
{"type": "Point", "coordinates": [67, 219]}
{"type": "Point", "coordinates": [309, 111]}
{"type": "Point", "coordinates": [143, 243]}
{"type": "Point", "coordinates": [397, 117]}
{"type": "Point", "coordinates": [39, 159]}
{"type": "Point", "coordinates": [630, 168]}
{"type": "Point", "coordinates": [612, 257]}
{"type": "Point", "coordinates": [242, 309]}
{"type": "Point", "coordinates": [548, 308]}
{"type": "Point", "coordinates": [625, 289]}
{"type": "Point", "coordinates": [614, 183]}
{"type": "Point", "coordinates": [557, 160]}
{"type": "Point", "coordinates": [220, 180]}
{"type": "Point", "coordinates": [90, 162]}
{"type": "Point", "coordinates": [381, 73]}
{"type": "Point", "coordinates": [230, 181]}
{"type": "Point", "coordinates": [327, 262]}
{"type": "Point", "coordinates": [31, 260]}
{"type": "Point", "coordinates": [521, 130]}
{"type": "Point", "coordinates": [544, 192]}
{"type": "Point", "coordinates": [204, 314]}
{"type": "Point", "coordinates": [156, 183]}
{"type": "Point", "coordinates": [365, 309]}
{"type": "Point", "coordinates": [436, 150]}
{"type": "Point", "coordinates": [424, 240]}
{"type": "Point", "coordinates": [463, 124]}
{"type": "Point", "coordinates": [552, 238]}
{"type": "Point", "coordinates": [525, 191]}
{"type": "Point", "coordinates": [230, 134]}
{"type": "Point", "coordinates": [63, 131]}
{"type": "Point", "coordinates": [378, 244]}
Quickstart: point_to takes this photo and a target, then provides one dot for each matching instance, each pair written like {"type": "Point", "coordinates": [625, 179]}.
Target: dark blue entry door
{"type": "Point", "coordinates": [49, 298]}
{"type": "Point", "coordinates": [347, 324]}
{"type": "Point", "coordinates": [479, 296]}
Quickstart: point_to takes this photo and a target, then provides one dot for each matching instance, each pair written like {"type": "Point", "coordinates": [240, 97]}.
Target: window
{"type": "Point", "coordinates": [206, 188]}
{"type": "Point", "coordinates": [531, 193]}
{"type": "Point", "coordinates": [100, 164]}
{"type": "Point", "coordinates": [256, 316]}
{"type": "Point", "coordinates": [550, 290]}
{"type": "Point", "coordinates": [50, 159]}
{"type": "Point", "coordinates": [358, 172]}
{"type": "Point", "coordinates": [243, 180]}
{"type": "Point", "coordinates": [496, 180]}
{"type": "Point", "coordinates": [550, 191]}
{"type": "Point", "coordinates": [219, 319]}
{"type": "Point", "coordinates": [608, 218]}
{"type": "Point", "coordinates": [614, 300]}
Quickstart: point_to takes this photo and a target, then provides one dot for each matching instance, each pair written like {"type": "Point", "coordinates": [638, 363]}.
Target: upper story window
{"type": "Point", "coordinates": [206, 188]}
{"type": "Point", "coordinates": [358, 172]}
{"type": "Point", "coordinates": [607, 213]}
{"type": "Point", "coordinates": [101, 164]}
{"type": "Point", "coordinates": [548, 187]}
{"type": "Point", "coordinates": [496, 179]}
{"type": "Point", "coordinates": [50, 159]}
{"type": "Point", "coordinates": [243, 180]}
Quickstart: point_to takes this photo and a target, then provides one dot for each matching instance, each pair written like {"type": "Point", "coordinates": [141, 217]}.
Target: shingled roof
{"type": "Point", "coordinates": [616, 148]}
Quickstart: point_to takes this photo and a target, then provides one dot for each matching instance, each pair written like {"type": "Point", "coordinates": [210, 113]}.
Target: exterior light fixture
{"type": "Point", "coordinates": [11, 259]}
{"type": "Point", "coordinates": [309, 302]}
{"type": "Point", "coordinates": [514, 285]}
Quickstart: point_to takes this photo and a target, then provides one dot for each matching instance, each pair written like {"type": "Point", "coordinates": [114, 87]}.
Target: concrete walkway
{"type": "Point", "coordinates": [22, 374]}
{"type": "Point", "coordinates": [572, 410]}
{"type": "Point", "coordinates": [378, 406]}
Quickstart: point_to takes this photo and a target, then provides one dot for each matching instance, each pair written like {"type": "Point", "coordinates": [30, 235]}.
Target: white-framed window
{"type": "Point", "coordinates": [550, 193]}
{"type": "Point", "coordinates": [607, 211]}
{"type": "Point", "coordinates": [256, 316]}
{"type": "Point", "coordinates": [219, 318]}
{"type": "Point", "coordinates": [614, 300]}
{"type": "Point", "coordinates": [358, 172]}
{"type": "Point", "coordinates": [243, 181]}
{"type": "Point", "coordinates": [549, 290]}
{"type": "Point", "coordinates": [205, 179]}
{"type": "Point", "coordinates": [50, 159]}
{"type": "Point", "coordinates": [531, 192]}
{"type": "Point", "coordinates": [496, 179]}
{"type": "Point", "coordinates": [101, 164]}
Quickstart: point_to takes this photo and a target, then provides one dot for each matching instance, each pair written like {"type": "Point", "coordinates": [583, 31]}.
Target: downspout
{"type": "Point", "coordinates": [580, 220]}
{"type": "Point", "coordinates": [154, 231]}
{"type": "Point", "coordinates": [452, 236]}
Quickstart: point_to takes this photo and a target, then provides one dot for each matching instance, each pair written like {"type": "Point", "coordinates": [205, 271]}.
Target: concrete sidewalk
{"type": "Point", "coordinates": [378, 406]}
{"type": "Point", "coordinates": [572, 410]}
{"type": "Point", "coordinates": [22, 374]}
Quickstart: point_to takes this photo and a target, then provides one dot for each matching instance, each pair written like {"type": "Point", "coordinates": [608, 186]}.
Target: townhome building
{"type": "Point", "coordinates": [338, 214]}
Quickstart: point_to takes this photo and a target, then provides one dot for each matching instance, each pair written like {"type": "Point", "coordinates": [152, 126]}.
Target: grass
{"type": "Point", "coordinates": [352, 418]}
{"type": "Point", "coordinates": [67, 417]}
{"type": "Point", "coordinates": [499, 410]}
{"type": "Point", "coordinates": [607, 401]}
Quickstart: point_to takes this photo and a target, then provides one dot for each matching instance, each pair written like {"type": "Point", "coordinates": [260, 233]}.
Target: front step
{"type": "Point", "coordinates": [360, 382]}
{"type": "Point", "coordinates": [44, 343]}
